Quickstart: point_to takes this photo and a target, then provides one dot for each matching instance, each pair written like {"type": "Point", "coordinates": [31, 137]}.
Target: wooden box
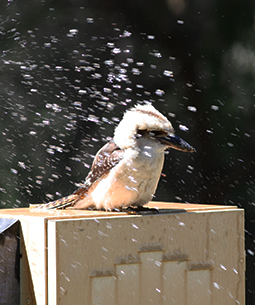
{"type": "Point", "coordinates": [186, 254]}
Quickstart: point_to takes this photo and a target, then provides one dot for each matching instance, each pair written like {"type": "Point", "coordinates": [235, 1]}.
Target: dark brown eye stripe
{"type": "Point", "coordinates": [152, 133]}
{"type": "Point", "coordinates": [158, 133]}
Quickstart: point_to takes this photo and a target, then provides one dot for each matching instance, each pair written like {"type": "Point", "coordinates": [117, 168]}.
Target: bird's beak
{"type": "Point", "coordinates": [175, 142]}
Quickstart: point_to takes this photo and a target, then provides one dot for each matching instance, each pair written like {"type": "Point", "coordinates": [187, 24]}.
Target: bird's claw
{"type": "Point", "coordinates": [140, 210]}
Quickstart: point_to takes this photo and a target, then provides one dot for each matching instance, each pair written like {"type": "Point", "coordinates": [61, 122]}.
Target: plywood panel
{"type": "Point", "coordinates": [103, 290]}
{"type": "Point", "coordinates": [86, 250]}
{"type": "Point", "coordinates": [198, 287]}
{"type": "Point", "coordinates": [226, 248]}
{"type": "Point", "coordinates": [151, 277]}
{"type": "Point", "coordinates": [33, 261]}
{"type": "Point", "coordinates": [174, 281]}
{"type": "Point", "coordinates": [97, 246]}
{"type": "Point", "coordinates": [128, 284]}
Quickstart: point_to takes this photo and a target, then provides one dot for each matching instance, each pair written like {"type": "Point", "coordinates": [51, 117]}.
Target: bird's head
{"type": "Point", "coordinates": [145, 124]}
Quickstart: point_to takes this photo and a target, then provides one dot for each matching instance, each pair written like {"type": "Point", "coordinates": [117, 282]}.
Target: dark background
{"type": "Point", "coordinates": [69, 69]}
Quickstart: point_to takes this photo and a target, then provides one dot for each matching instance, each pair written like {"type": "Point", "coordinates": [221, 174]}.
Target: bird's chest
{"type": "Point", "coordinates": [141, 168]}
{"type": "Point", "coordinates": [132, 181]}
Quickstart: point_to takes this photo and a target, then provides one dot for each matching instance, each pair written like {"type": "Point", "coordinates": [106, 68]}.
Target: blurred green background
{"type": "Point", "coordinates": [69, 69]}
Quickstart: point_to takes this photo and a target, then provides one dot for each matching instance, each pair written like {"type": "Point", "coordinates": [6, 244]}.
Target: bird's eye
{"type": "Point", "coordinates": [140, 133]}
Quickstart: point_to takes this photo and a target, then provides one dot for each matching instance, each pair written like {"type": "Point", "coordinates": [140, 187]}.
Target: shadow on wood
{"type": "Point", "coordinates": [9, 261]}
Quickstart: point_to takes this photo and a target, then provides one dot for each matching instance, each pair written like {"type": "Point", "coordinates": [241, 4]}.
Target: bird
{"type": "Point", "coordinates": [125, 171]}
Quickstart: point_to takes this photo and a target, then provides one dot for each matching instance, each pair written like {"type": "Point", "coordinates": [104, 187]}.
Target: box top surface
{"type": "Point", "coordinates": [163, 207]}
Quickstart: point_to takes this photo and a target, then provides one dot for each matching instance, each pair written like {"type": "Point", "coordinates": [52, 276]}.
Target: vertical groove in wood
{"type": "Point", "coordinates": [174, 273]}
{"type": "Point", "coordinates": [52, 263]}
{"type": "Point", "coordinates": [151, 265]}
{"type": "Point", "coordinates": [103, 290]}
{"type": "Point", "coordinates": [128, 287]}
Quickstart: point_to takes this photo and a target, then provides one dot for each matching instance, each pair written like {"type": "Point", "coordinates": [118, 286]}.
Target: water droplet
{"type": "Point", "coordinates": [223, 267]}
{"type": "Point", "coordinates": [116, 50]}
{"type": "Point", "coordinates": [46, 122]}
{"type": "Point", "coordinates": [192, 108]}
{"type": "Point", "coordinates": [93, 118]}
{"type": "Point", "coordinates": [63, 290]}
{"type": "Point", "coordinates": [108, 225]}
{"type": "Point", "coordinates": [100, 233]}
{"type": "Point", "coordinates": [136, 71]}
{"type": "Point", "coordinates": [50, 151]}
{"type": "Point", "coordinates": [131, 178]}
{"type": "Point", "coordinates": [250, 252]}
{"type": "Point", "coordinates": [168, 73]}
{"type": "Point", "coordinates": [82, 92]}
{"type": "Point", "coordinates": [160, 92]}
{"type": "Point", "coordinates": [216, 285]}
{"type": "Point", "coordinates": [22, 165]}
{"type": "Point", "coordinates": [147, 154]}
{"type": "Point", "coordinates": [90, 20]}
{"type": "Point", "coordinates": [109, 62]}
{"type": "Point", "coordinates": [156, 54]}
{"type": "Point", "coordinates": [214, 107]}
{"type": "Point", "coordinates": [135, 226]}
{"type": "Point", "coordinates": [158, 263]}
{"type": "Point", "coordinates": [59, 68]}
{"type": "Point", "coordinates": [126, 34]}
{"type": "Point", "coordinates": [183, 128]}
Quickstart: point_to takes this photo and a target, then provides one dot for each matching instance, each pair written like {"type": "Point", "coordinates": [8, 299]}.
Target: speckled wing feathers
{"type": "Point", "coordinates": [106, 158]}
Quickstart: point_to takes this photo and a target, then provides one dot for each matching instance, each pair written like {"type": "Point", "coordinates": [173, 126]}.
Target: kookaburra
{"type": "Point", "coordinates": [126, 170]}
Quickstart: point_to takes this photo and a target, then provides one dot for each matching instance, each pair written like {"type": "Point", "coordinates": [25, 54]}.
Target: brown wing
{"type": "Point", "coordinates": [106, 158]}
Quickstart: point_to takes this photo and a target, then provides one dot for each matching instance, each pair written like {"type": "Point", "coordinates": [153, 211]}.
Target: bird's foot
{"type": "Point", "coordinates": [140, 210]}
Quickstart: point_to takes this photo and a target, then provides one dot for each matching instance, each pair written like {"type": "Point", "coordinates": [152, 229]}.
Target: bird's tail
{"type": "Point", "coordinates": [64, 202]}
{"type": "Point", "coordinates": [58, 204]}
